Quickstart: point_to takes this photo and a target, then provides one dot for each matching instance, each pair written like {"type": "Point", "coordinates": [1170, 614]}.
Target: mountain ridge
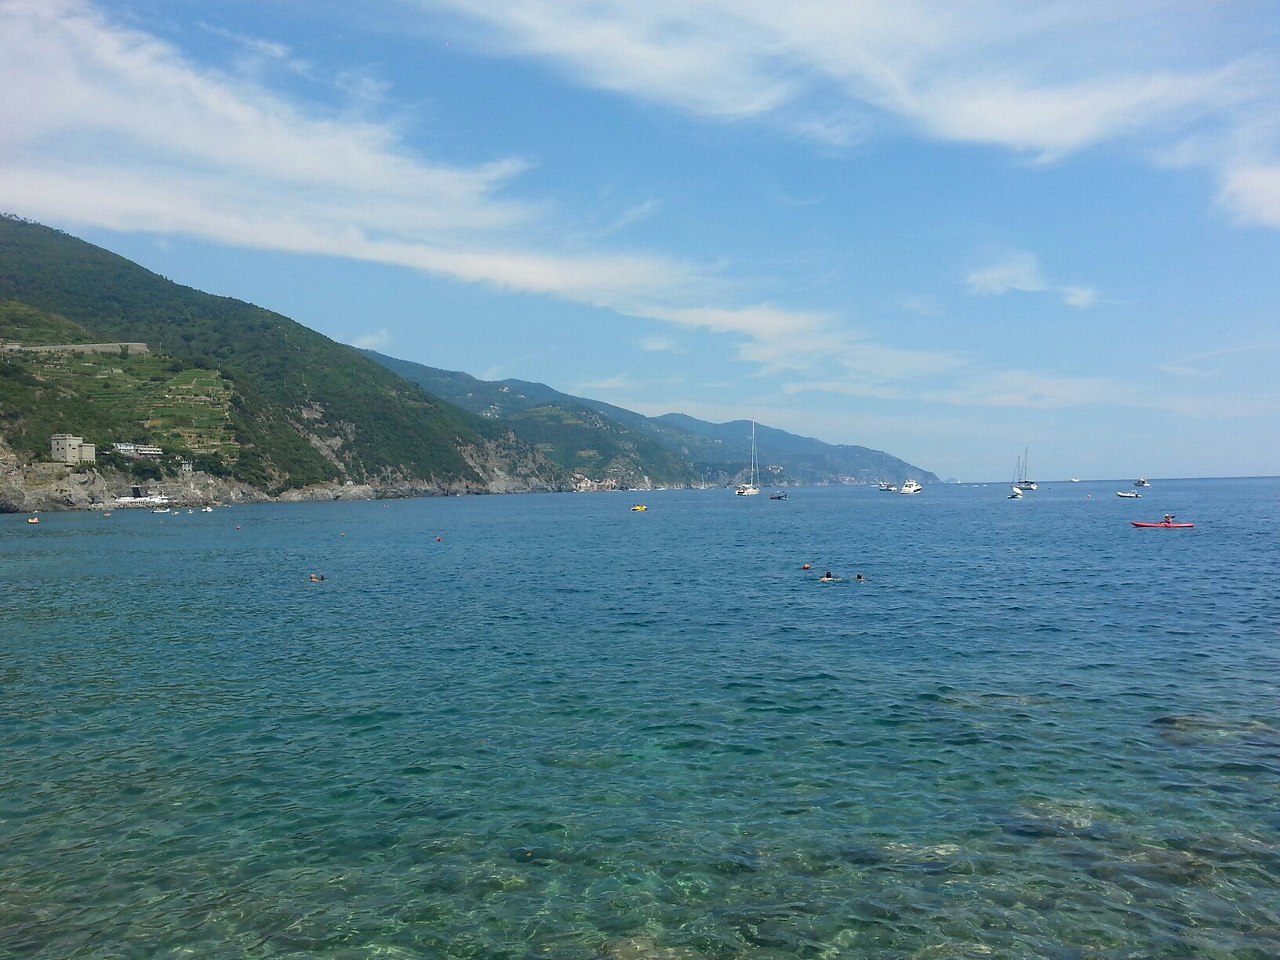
{"type": "Point", "coordinates": [716, 454]}
{"type": "Point", "coordinates": [267, 404]}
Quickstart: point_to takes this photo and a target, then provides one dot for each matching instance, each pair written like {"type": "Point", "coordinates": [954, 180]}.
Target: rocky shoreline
{"type": "Point", "coordinates": [53, 487]}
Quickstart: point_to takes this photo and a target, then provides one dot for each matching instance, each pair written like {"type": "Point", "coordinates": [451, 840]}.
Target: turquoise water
{"type": "Point", "coordinates": [567, 730]}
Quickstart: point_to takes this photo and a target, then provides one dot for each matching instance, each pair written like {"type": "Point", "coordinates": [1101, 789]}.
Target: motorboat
{"type": "Point", "coordinates": [910, 486]}
{"type": "Point", "coordinates": [778, 496]}
{"type": "Point", "coordinates": [1129, 494]}
{"type": "Point", "coordinates": [887, 487]}
{"type": "Point", "coordinates": [1142, 482]}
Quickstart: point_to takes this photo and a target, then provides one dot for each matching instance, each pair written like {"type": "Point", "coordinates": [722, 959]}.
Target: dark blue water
{"type": "Point", "coordinates": [564, 729]}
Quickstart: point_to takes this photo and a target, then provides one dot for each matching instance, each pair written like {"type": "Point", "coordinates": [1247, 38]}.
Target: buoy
{"type": "Point", "coordinates": [806, 567]}
{"type": "Point", "coordinates": [438, 539]}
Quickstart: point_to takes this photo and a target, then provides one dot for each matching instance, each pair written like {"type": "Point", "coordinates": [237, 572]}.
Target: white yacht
{"type": "Point", "coordinates": [910, 486]}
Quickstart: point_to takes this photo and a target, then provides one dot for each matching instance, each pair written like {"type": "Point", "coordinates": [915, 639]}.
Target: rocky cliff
{"type": "Point", "coordinates": [503, 464]}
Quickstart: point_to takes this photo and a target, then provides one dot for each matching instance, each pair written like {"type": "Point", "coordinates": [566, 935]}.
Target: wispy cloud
{"type": "Point", "coordinates": [1019, 270]}
{"type": "Point", "coordinates": [1251, 192]}
{"type": "Point", "coordinates": [1194, 365]}
{"type": "Point", "coordinates": [256, 45]}
{"type": "Point", "coordinates": [658, 344]}
{"type": "Point", "coordinates": [1069, 76]}
{"type": "Point", "coordinates": [106, 126]}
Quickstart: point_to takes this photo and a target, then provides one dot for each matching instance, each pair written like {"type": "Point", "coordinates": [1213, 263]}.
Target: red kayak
{"type": "Point", "coordinates": [1167, 526]}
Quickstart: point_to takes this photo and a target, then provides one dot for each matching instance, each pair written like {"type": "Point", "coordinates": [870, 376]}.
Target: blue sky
{"type": "Point", "coordinates": [951, 231]}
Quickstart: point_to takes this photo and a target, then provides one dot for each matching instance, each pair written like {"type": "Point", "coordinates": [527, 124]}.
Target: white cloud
{"type": "Point", "coordinates": [106, 126]}
{"type": "Point", "coordinates": [1194, 365]}
{"type": "Point", "coordinates": [658, 344]}
{"type": "Point", "coordinates": [1036, 78]}
{"type": "Point", "coordinates": [1015, 389]}
{"type": "Point", "coordinates": [765, 322]}
{"type": "Point", "coordinates": [1252, 193]}
{"type": "Point", "coordinates": [265, 48]}
{"type": "Point", "coordinates": [1079, 297]}
{"type": "Point", "coordinates": [373, 341]}
{"type": "Point", "coordinates": [1020, 270]}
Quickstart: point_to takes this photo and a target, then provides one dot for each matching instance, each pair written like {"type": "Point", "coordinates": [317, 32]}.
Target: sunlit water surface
{"type": "Point", "coordinates": [550, 726]}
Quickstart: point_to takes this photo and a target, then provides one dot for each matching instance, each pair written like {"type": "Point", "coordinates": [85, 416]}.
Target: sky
{"type": "Point", "coordinates": [955, 231]}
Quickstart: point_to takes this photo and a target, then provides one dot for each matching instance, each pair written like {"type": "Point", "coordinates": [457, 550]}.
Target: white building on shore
{"type": "Point", "coordinates": [137, 449]}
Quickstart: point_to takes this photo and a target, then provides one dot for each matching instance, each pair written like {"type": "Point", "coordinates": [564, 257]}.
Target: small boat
{"type": "Point", "coordinates": [161, 510]}
{"type": "Point", "coordinates": [33, 519]}
{"type": "Point", "coordinates": [778, 496]}
{"type": "Point", "coordinates": [639, 508]}
{"type": "Point", "coordinates": [1075, 479]}
{"type": "Point", "coordinates": [1142, 482]}
{"type": "Point", "coordinates": [1128, 494]}
{"type": "Point", "coordinates": [1166, 525]}
{"type": "Point", "coordinates": [887, 487]}
{"type": "Point", "coordinates": [1016, 495]}
{"type": "Point", "coordinates": [910, 486]}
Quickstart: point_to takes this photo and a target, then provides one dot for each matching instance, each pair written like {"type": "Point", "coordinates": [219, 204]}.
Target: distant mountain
{"type": "Point", "coordinates": [583, 435]}
{"type": "Point", "coordinates": [293, 407]}
{"type": "Point", "coordinates": [250, 395]}
{"type": "Point", "coordinates": [588, 439]}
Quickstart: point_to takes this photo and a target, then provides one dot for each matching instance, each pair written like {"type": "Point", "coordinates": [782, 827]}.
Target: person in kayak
{"type": "Point", "coordinates": [1168, 518]}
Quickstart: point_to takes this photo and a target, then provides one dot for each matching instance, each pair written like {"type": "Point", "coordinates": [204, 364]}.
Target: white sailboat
{"type": "Point", "coordinates": [752, 487]}
{"type": "Point", "coordinates": [1022, 482]}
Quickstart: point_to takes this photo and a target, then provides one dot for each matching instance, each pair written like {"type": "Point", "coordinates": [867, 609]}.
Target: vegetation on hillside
{"type": "Point", "coordinates": [674, 448]}
{"type": "Point", "coordinates": [568, 431]}
{"type": "Point", "coordinates": [245, 390]}
{"type": "Point", "coordinates": [302, 408]}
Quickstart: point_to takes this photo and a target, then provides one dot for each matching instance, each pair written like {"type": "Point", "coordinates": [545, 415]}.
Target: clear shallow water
{"type": "Point", "coordinates": [569, 730]}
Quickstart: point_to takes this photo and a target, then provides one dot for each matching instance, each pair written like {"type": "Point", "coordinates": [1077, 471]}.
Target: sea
{"type": "Point", "coordinates": [551, 726]}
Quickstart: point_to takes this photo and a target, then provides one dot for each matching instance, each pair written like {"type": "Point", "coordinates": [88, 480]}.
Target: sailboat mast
{"type": "Point", "coordinates": [755, 465]}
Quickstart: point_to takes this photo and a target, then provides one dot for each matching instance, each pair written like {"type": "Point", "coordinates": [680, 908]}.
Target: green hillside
{"type": "Point", "coordinates": [568, 431]}
{"type": "Point", "coordinates": [298, 407]}
{"type": "Point", "coordinates": [673, 448]}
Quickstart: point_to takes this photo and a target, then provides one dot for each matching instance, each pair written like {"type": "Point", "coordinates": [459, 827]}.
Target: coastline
{"type": "Point", "coordinates": [55, 487]}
